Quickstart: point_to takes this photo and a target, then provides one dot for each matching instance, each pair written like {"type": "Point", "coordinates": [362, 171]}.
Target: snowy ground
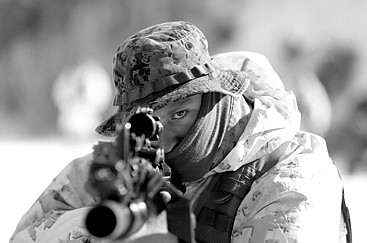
{"type": "Point", "coordinates": [29, 166]}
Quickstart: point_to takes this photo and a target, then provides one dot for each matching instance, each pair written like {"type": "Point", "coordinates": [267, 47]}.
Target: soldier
{"type": "Point", "coordinates": [231, 132]}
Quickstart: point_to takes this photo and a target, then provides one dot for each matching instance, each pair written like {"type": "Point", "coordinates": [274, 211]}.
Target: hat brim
{"type": "Point", "coordinates": [231, 82]}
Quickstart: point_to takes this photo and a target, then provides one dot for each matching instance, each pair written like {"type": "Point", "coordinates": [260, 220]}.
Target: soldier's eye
{"type": "Point", "coordinates": [179, 114]}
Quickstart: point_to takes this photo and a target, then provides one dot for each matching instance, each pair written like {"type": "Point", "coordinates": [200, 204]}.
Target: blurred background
{"type": "Point", "coordinates": [55, 78]}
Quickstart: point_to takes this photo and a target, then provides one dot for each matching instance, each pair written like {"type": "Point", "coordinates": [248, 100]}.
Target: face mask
{"type": "Point", "coordinates": [212, 137]}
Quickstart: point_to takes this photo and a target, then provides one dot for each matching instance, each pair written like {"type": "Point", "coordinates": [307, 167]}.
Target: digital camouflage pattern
{"type": "Point", "coordinates": [298, 200]}
{"type": "Point", "coordinates": [163, 63]}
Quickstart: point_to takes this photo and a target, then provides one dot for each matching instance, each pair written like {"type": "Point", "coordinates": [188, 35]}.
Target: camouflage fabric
{"type": "Point", "coordinates": [164, 63]}
{"type": "Point", "coordinates": [298, 200]}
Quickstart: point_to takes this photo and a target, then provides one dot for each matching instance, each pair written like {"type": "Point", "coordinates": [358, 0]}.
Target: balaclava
{"type": "Point", "coordinates": [221, 121]}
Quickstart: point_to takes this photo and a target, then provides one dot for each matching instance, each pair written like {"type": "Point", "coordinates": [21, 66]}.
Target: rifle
{"type": "Point", "coordinates": [128, 176]}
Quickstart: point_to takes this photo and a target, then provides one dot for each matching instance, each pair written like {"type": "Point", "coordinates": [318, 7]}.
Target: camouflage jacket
{"type": "Point", "coordinates": [298, 200]}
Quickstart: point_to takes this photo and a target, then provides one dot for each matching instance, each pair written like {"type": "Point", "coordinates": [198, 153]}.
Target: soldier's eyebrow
{"type": "Point", "coordinates": [184, 101]}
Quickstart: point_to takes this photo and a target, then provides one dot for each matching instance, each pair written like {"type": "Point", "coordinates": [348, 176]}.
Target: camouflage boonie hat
{"type": "Point", "coordinates": [164, 63]}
